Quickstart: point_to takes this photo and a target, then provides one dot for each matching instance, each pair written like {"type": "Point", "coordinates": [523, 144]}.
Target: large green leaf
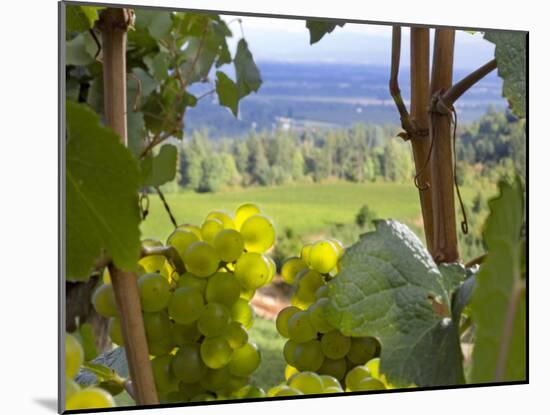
{"type": "Point", "coordinates": [390, 288]}
{"type": "Point", "coordinates": [102, 182]}
{"type": "Point", "coordinates": [319, 28]}
{"type": "Point", "coordinates": [81, 18]}
{"type": "Point", "coordinates": [160, 169]}
{"type": "Point", "coordinates": [498, 300]}
{"type": "Point", "coordinates": [511, 56]}
{"type": "Point", "coordinates": [76, 51]}
{"type": "Point", "coordinates": [158, 23]}
{"type": "Point", "coordinates": [248, 74]}
{"type": "Point", "coordinates": [228, 93]}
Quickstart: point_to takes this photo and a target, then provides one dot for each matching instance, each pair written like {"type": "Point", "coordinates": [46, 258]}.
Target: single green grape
{"type": "Point", "coordinates": [103, 300]}
{"type": "Point", "coordinates": [157, 325]}
{"type": "Point", "coordinates": [223, 288]}
{"type": "Point", "coordinates": [215, 379]}
{"type": "Point", "coordinates": [74, 356]}
{"type": "Point", "coordinates": [373, 365]}
{"type": "Point", "coordinates": [252, 270]}
{"type": "Point", "coordinates": [245, 360]}
{"type": "Point", "coordinates": [323, 256]}
{"type": "Point", "coordinates": [162, 373]}
{"type": "Point", "coordinates": [340, 249]}
{"type": "Point", "coordinates": [236, 335]}
{"type": "Point", "coordinates": [249, 392]}
{"type": "Point", "coordinates": [242, 312]}
{"type": "Point", "coordinates": [115, 332]}
{"type": "Point", "coordinates": [317, 316]}
{"type": "Point", "coordinates": [282, 320]}
{"type": "Point", "coordinates": [216, 352]}
{"type": "Point", "coordinates": [90, 398]}
{"type": "Point", "coordinates": [330, 381]}
{"type": "Point", "coordinates": [245, 211]}
{"type": "Point", "coordinates": [193, 228]}
{"type": "Point", "coordinates": [355, 375]}
{"type": "Point", "coordinates": [308, 356]}
{"type": "Point", "coordinates": [185, 333]}
{"type": "Point", "coordinates": [224, 217]}
{"type": "Point", "coordinates": [258, 233]}
{"type": "Point", "coordinates": [333, 389]}
{"type": "Point", "coordinates": [291, 267]}
{"type": "Point", "coordinates": [201, 259]}
{"type": "Point", "coordinates": [190, 280]}
{"type": "Point", "coordinates": [152, 263]}
{"type": "Point", "coordinates": [272, 391]}
{"type": "Point", "coordinates": [187, 364]}
{"type": "Point", "coordinates": [286, 391]}
{"type": "Point", "coordinates": [362, 349]}
{"type": "Point", "coordinates": [335, 345]}
{"type": "Point", "coordinates": [336, 368]}
{"type": "Point", "coordinates": [309, 282]}
{"type": "Point", "coordinates": [71, 387]}
{"type": "Point", "coordinates": [210, 229]}
{"type": "Point", "coordinates": [154, 292]}
{"type": "Point", "coordinates": [185, 305]}
{"type": "Point", "coordinates": [180, 239]}
{"type": "Point", "coordinates": [229, 245]}
{"type": "Point", "coordinates": [247, 293]}
{"type": "Point", "coordinates": [307, 382]}
{"type": "Point", "coordinates": [214, 320]}
{"type": "Point", "coordinates": [272, 268]}
{"type": "Point", "coordinates": [305, 253]}
{"type": "Point", "coordinates": [288, 351]}
{"type": "Point", "coordinates": [368, 384]}
{"type": "Point", "coordinates": [300, 328]}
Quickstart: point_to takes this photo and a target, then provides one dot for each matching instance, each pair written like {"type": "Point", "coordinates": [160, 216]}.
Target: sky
{"type": "Point", "coordinates": [287, 40]}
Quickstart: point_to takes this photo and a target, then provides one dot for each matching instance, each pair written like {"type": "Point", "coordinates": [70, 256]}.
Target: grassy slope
{"type": "Point", "coordinates": [272, 367]}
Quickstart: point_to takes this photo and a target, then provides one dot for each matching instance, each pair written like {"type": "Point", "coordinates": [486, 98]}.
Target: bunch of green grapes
{"type": "Point", "coordinates": [76, 397]}
{"type": "Point", "coordinates": [313, 344]}
{"type": "Point", "coordinates": [305, 383]}
{"type": "Point", "coordinates": [196, 322]}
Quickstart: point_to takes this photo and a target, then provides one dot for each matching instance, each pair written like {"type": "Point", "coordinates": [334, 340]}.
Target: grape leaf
{"type": "Point", "coordinates": [81, 18]}
{"type": "Point", "coordinates": [498, 301]}
{"type": "Point", "coordinates": [248, 74]}
{"type": "Point", "coordinates": [160, 169]}
{"type": "Point", "coordinates": [158, 23]}
{"type": "Point", "coordinates": [390, 288]}
{"type": "Point", "coordinates": [319, 28]}
{"type": "Point", "coordinates": [76, 52]}
{"type": "Point", "coordinates": [228, 93]}
{"type": "Point", "coordinates": [511, 56]}
{"type": "Point", "coordinates": [102, 181]}
{"type": "Point", "coordinates": [453, 275]}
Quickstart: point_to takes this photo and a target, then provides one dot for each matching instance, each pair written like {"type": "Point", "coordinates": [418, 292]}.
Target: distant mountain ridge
{"type": "Point", "coordinates": [326, 94]}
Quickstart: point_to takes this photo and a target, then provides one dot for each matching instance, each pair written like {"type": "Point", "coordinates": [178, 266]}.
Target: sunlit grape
{"type": "Point", "coordinates": [236, 335]}
{"type": "Point", "coordinates": [245, 211]}
{"type": "Point", "coordinates": [252, 270]}
{"type": "Point", "coordinates": [323, 256]}
{"type": "Point", "coordinates": [355, 375]}
{"type": "Point", "coordinates": [290, 371]}
{"type": "Point", "coordinates": [154, 292]}
{"type": "Point", "coordinates": [229, 245]}
{"type": "Point", "coordinates": [103, 300]}
{"type": "Point", "coordinates": [223, 288]}
{"type": "Point", "coordinates": [190, 280]}
{"type": "Point", "coordinates": [242, 312]}
{"type": "Point", "coordinates": [330, 381]}
{"type": "Point", "coordinates": [305, 253]}
{"type": "Point", "coordinates": [71, 387]}
{"type": "Point", "coordinates": [224, 217]}
{"type": "Point", "coordinates": [282, 320]}
{"type": "Point", "coordinates": [115, 332]}
{"type": "Point", "coordinates": [180, 239]}
{"type": "Point", "coordinates": [214, 320]}
{"type": "Point", "coordinates": [90, 398]}
{"type": "Point", "coordinates": [288, 351]}
{"type": "Point", "coordinates": [193, 228]}
{"type": "Point", "coordinates": [210, 228]}
{"type": "Point", "coordinates": [185, 305]}
{"type": "Point", "coordinates": [290, 269]}
{"type": "Point", "coordinates": [216, 352]}
{"type": "Point", "coordinates": [300, 328]}
{"type": "Point", "coordinates": [307, 383]}
{"type": "Point", "coordinates": [258, 233]}
{"type": "Point", "coordinates": [201, 259]}
{"type": "Point", "coordinates": [308, 356]}
{"type": "Point", "coordinates": [368, 384]}
{"type": "Point", "coordinates": [287, 391]}
{"type": "Point", "coordinates": [74, 355]}
{"type": "Point", "coordinates": [335, 345]}
{"type": "Point", "coordinates": [245, 360]}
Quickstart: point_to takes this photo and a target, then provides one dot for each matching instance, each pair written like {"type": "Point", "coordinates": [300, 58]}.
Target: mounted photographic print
{"type": "Point", "coordinates": [283, 207]}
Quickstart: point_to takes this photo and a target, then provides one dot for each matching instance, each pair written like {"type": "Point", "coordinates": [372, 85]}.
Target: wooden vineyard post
{"type": "Point", "coordinates": [420, 139]}
{"type": "Point", "coordinates": [445, 245]}
{"type": "Point", "coordinates": [113, 24]}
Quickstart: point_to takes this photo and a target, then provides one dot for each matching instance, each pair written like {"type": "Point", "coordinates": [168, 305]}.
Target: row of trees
{"type": "Point", "coordinates": [361, 153]}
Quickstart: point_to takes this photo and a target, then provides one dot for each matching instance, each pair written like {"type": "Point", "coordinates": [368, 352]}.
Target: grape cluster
{"type": "Point", "coordinates": [196, 321]}
{"type": "Point", "coordinates": [313, 344]}
{"type": "Point", "coordinates": [75, 396]}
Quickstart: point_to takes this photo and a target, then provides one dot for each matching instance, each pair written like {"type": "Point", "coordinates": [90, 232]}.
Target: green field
{"type": "Point", "coordinates": [306, 208]}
